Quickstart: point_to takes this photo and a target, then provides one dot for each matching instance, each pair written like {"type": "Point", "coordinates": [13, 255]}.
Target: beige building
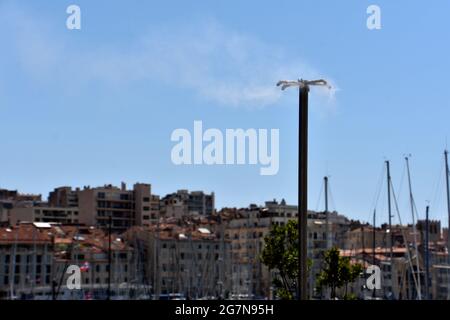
{"type": "Point", "coordinates": [362, 237]}
{"type": "Point", "coordinates": [183, 203]}
{"type": "Point", "coordinates": [192, 262]}
{"type": "Point", "coordinates": [246, 229]}
{"type": "Point", "coordinates": [440, 278]}
{"type": "Point", "coordinates": [34, 258]}
{"type": "Point", "coordinates": [63, 197]}
{"type": "Point", "coordinates": [43, 214]}
{"type": "Point", "coordinates": [125, 207]}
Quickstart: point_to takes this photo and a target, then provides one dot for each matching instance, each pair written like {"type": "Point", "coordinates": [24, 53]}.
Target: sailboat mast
{"type": "Point", "coordinates": [374, 236]}
{"type": "Point", "coordinates": [427, 261]}
{"type": "Point", "coordinates": [448, 202]}
{"type": "Point", "coordinates": [109, 256]}
{"type": "Point", "coordinates": [327, 216]}
{"type": "Point", "coordinates": [391, 237]}
{"type": "Point", "coordinates": [373, 244]}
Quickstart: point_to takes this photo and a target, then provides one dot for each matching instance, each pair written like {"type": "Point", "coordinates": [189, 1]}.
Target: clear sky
{"type": "Point", "coordinates": [98, 105]}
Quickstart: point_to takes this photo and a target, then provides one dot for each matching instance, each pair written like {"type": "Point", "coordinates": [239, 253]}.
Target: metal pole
{"type": "Point", "coordinates": [327, 214]}
{"type": "Point", "coordinates": [374, 236]}
{"type": "Point", "coordinates": [427, 261]}
{"type": "Point", "coordinates": [302, 176]}
{"type": "Point", "coordinates": [303, 191]}
{"type": "Point", "coordinates": [109, 256]}
{"type": "Point", "coordinates": [373, 243]}
{"type": "Point", "coordinates": [448, 201]}
{"type": "Point", "coordinates": [391, 236]}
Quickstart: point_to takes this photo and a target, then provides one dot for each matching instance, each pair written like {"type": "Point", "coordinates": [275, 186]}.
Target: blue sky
{"type": "Point", "coordinates": [98, 105]}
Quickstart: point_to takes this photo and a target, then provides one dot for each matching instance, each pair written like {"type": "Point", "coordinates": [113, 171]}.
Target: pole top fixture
{"type": "Point", "coordinates": [302, 83]}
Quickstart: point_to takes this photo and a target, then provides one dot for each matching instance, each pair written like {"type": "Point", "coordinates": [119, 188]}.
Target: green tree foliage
{"type": "Point", "coordinates": [338, 272]}
{"type": "Point", "coordinates": [280, 253]}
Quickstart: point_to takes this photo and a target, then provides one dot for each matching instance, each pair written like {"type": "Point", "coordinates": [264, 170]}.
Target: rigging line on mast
{"type": "Point", "coordinates": [414, 208]}
{"type": "Point", "coordinates": [379, 186]}
{"type": "Point", "coordinates": [436, 196]}
{"type": "Point", "coordinates": [378, 190]}
{"type": "Point", "coordinates": [320, 196]}
{"type": "Point", "coordinates": [402, 179]}
{"type": "Point", "coordinates": [405, 240]}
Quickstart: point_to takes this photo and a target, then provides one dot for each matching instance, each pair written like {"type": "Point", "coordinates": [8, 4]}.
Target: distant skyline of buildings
{"type": "Point", "coordinates": [178, 203]}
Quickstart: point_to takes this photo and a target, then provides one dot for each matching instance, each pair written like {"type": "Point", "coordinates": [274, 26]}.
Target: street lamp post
{"type": "Point", "coordinates": [303, 86]}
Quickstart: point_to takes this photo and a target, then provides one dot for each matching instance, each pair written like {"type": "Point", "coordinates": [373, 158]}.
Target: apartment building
{"type": "Point", "coordinates": [25, 260]}
{"type": "Point", "coordinates": [190, 261]}
{"type": "Point", "coordinates": [363, 237]}
{"type": "Point", "coordinates": [246, 228]}
{"type": "Point", "coordinates": [11, 198]}
{"type": "Point", "coordinates": [34, 258]}
{"type": "Point", "coordinates": [440, 278]}
{"type": "Point", "coordinates": [43, 213]}
{"type": "Point", "coordinates": [63, 197]}
{"type": "Point", "coordinates": [125, 207]}
{"type": "Point", "coordinates": [281, 212]}
{"type": "Point", "coordinates": [183, 203]}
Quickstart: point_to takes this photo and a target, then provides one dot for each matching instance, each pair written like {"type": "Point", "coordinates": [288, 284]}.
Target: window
{"type": "Point", "coordinates": [146, 199]}
{"type": "Point", "coordinates": [101, 195]}
{"type": "Point", "coordinates": [146, 208]}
